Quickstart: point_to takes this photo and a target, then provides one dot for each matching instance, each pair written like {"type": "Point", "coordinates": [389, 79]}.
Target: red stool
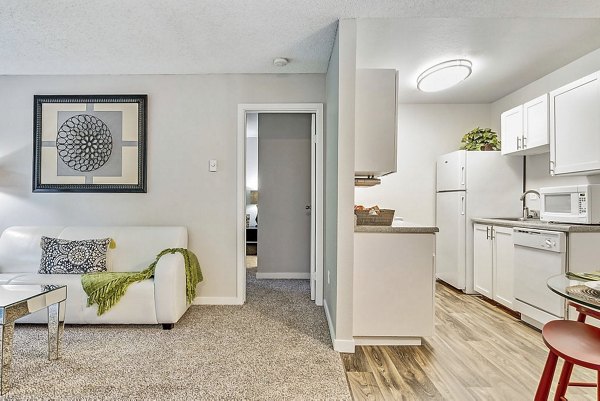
{"type": "Point", "coordinates": [575, 342]}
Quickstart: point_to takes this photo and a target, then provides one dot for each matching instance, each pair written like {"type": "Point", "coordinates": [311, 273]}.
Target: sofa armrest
{"type": "Point", "coordinates": [169, 288]}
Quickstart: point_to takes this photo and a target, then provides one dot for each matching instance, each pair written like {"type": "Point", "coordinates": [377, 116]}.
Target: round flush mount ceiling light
{"type": "Point", "coordinates": [280, 62]}
{"type": "Point", "coordinates": [444, 75]}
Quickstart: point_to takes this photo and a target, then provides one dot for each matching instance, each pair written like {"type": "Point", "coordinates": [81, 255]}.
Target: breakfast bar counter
{"type": "Point", "coordinates": [393, 284]}
{"type": "Point", "coordinates": [401, 227]}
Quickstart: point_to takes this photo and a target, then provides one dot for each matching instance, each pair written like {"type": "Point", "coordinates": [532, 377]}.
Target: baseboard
{"type": "Point", "coordinates": [346, 346]}
{"type": "Point", "coordinates": [387, 340]}
{"type": "Point", "coordinates": [283, 276]}
{"type": "Point", "coordinates": [217, 301]}
{"type": "Point", "coordinates": [329, 322]}
{"type": "Point", "coordinates": [338, 345]}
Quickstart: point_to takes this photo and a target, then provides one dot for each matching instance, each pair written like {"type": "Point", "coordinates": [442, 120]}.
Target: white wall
{"type": "Point", "coordinates": [537, 166]}
{"type": "Point", "coordinates": [339, 181]}
{"type": "Point", "coordinates": [331, 173]}
{"type": "Point", "coordinates": [191, 119]}
{"type": "Point", "coordinates": [345, 186]}
{"type": "Point", "coordinates": [425, 131]}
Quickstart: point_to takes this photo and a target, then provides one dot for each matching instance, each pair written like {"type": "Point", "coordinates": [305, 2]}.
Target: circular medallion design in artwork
{"type": "Point", "coordinates": [78, 255]}
{"type": "Point", "coordinates": [84, 143]}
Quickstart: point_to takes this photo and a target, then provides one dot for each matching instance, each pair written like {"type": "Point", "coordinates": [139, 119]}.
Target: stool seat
{"type": "Point", "coordinates": [576, 342]}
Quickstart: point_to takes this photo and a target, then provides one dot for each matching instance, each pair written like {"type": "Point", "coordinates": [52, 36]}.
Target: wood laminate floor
{"type": "Point", "coordinates": [478, 352]}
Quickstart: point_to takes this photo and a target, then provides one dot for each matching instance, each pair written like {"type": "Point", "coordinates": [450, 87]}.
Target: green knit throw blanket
{"type": "Point", "coordinates": [106, 288]}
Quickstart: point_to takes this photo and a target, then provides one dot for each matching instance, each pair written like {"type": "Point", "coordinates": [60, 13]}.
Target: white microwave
{"type": "Point", "coordinates": [578, 204]}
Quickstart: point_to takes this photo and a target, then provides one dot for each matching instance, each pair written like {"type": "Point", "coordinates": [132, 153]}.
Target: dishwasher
{"type": "Point", "coordinates": [539, 254]}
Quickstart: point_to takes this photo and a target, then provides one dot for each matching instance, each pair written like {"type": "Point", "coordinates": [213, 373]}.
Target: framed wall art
{"type": "Point", "coordinates": [93, 143]}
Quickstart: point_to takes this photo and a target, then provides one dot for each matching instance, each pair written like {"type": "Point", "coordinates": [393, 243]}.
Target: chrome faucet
{"type": "Point", "coordinates": [525, 208]}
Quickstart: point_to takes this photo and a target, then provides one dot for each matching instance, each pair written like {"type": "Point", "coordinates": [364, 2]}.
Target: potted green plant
{"type": "Point", "coordinates": [480, 139]}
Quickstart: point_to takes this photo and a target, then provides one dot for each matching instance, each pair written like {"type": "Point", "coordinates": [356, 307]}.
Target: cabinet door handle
{"type": "Point", "coordinates": [487, 232]}
{"type": "Point", "coordinates": [518, 143]}
{"type": "Point", "coordinates": [552, 167]}
{"type": "Point", "coordinates": [492, 233]}
{"type": "Point", "coordinates": [524, 142]}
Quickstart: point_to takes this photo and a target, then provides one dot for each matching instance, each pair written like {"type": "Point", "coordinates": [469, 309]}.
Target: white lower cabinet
{"type": "Point", "coordinates": [493, 259]}
{"type": "Point", "coordinates": [483, 260]}
{"type": "Point", "coordinates": [393, 287]}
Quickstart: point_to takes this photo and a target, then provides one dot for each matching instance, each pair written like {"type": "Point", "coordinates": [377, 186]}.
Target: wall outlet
{"type": "Point", "coordinates": [328, 280]}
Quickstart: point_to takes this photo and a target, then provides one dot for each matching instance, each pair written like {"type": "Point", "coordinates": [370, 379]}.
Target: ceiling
{"type": "Point", "coordinates": [507, 53]}
{"type": "Point", "coordinates": [511, 42]}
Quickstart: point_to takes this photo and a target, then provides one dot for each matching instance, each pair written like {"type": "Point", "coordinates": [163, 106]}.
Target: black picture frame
{"type": "Point", "coordinates": [61, 150]}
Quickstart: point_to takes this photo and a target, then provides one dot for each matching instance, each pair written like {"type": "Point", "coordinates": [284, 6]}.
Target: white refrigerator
{"type": "Point", "coordinates": [471, 184]}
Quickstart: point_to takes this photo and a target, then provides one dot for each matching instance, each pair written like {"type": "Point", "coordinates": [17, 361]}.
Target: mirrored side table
{"type": "Point", "coordinates": [17, 301]}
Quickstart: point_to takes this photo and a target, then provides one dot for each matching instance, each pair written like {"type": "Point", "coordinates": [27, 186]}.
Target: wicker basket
{"type": "Point", "coordinates": [385, 218]}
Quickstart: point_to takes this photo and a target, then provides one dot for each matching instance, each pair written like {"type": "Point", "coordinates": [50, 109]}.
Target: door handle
{"type": "Point", "coordinates": [518, 143]}
{"type": "Point", "coordinates": [462, 175]}
{"type": "Point", "coordinates": [307, 207]}
{"type": "Point", "coordinates": [552, 167]}
{"type": "Point", "coordinates": [462, 205]}
{"type": "Point", "coordinates": [487, 232]}
{"type": "Point", "coordinates": [524, 142]}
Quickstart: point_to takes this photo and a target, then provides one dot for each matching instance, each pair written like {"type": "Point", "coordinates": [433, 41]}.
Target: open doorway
{"type": "Point", "coordinates": [252, 190]}
{"type": "Point", "coordinates": [281, 194]}
{"type": "Point", "coordinates": [282, 160]}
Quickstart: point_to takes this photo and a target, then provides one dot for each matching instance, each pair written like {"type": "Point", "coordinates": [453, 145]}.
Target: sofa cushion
{"type": "Point", "coordinates": [136, 307]}
{"type": "Point", "coordinates": [61, 256]}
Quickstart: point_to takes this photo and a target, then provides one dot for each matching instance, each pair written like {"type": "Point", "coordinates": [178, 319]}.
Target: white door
{"type": "Point", "coordinates": [575, 126]}
{"type": "Point", "coordinates": [511, 130]}
{"type": "Point", "coordinates": [535, 123]}
{"type": "Point", "coordinates": [482, 260]}
{"type": "Point", "coordinates": [451, 171]}
{"type": "Point", "coordinates": [450, 242]}
{"type": "Point", "coordinates": [504, 266]}
{"type": "Point", "coordinates": [284, 186]}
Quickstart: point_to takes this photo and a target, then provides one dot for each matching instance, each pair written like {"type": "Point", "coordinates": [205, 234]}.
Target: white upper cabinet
{"type": "Point", "coordinates": [376, 122]}
{"type": "Point", "coordinates": [511, 130]}
{"type": "Point", "coordinates": [524, 129]}
{"type": "Point", "coordinates": [536, 136]}
{"type": "Point", "coordinates": [575, 127]}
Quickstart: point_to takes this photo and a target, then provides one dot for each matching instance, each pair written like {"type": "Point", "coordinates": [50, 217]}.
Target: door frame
{"type": "Point", "coordinates": [317, 242]}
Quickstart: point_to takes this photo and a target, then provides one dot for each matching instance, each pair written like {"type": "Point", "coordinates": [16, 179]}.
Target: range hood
{"type": "Point", "coordinates": [366, 181]}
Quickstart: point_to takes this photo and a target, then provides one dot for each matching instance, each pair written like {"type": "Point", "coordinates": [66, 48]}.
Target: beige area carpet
{"type": "Point", "coordinates": [275, 347]}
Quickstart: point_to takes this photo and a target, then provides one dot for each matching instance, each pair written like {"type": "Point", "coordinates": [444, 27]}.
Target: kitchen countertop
{"type": "Point", "coordinates": [540, 225]}
{"type": "Point", "coordinates": [397, 227]}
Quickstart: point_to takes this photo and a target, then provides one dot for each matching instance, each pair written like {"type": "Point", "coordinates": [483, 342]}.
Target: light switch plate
{"type": "Point", "coordinates": [212, 165]}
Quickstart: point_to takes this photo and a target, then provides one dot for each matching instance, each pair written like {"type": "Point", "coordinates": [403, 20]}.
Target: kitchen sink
{"type": "Point", "coordinates": [516, 219]}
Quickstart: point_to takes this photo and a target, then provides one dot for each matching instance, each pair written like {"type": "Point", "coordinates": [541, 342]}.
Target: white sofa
{"type": "Point", "coordinates": [161, 300]}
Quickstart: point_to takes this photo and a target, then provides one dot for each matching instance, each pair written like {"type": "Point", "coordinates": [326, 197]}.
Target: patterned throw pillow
{"type": "Point", "coordinates": [61, 256]}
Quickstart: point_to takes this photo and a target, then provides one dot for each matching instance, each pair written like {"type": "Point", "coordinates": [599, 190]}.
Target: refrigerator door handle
{"type": "Point", "coordinates": [462, 175]}
{"type": "Point", "coordinates": [462, 205]}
